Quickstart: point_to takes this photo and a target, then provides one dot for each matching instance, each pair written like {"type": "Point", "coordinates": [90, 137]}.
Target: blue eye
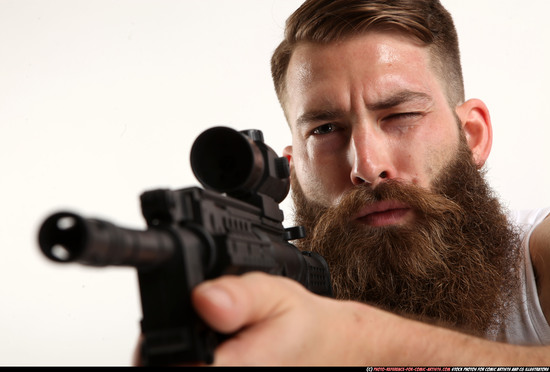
{"type": "Point", "coordinates": [324, 129]}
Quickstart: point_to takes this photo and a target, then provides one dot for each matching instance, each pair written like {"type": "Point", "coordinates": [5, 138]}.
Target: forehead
{"type": "Point", "coordinates": [377, 48]}
{"type": "Point", "coordinates": [374, 63]}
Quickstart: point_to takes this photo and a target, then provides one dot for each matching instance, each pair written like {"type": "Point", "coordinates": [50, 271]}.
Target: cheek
{"type": "Point", "coordinates": [322, 176]}
{"type": "Point", "coordinates": [424, 154]}
{"type": "Point", "coordinates": [437, 158]}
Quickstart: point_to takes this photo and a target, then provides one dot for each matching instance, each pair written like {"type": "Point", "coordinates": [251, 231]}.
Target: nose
{"type": "Point", "coordinates": [370, 158]}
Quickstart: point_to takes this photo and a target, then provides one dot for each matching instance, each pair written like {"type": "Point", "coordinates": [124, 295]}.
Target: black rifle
{"type": "Point", "coordinates": [232, 226]}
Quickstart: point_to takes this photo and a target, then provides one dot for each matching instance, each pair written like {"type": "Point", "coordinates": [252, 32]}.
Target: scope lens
{"type": "Point", "coordinates": [225, 160]}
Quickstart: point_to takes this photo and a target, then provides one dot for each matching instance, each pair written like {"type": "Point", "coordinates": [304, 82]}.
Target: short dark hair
{"type": "Point", "coordinates": [326, 21]}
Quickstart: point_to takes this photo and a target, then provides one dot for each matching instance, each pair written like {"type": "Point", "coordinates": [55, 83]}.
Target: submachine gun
{"type": "Point", "coordinates": [232, 226]}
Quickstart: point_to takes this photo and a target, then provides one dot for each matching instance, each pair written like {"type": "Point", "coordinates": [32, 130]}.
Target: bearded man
{"type": "Point", "coordinates": [420, 268]}
{"type": "Point", "coordinates": [386, 162]}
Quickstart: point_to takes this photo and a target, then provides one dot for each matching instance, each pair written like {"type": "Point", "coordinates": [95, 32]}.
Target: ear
{"type": "Point", "coordinates": [287, 153]}
{"type": "Point", "coordinates": [476, 123]}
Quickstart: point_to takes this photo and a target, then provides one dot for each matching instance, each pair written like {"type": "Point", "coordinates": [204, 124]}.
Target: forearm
{"type": "Point", "coordinates": [393, 340]}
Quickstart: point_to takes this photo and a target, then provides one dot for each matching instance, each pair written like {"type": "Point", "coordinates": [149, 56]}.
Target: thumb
{"type": "Point", "coordinates": [230, 303]}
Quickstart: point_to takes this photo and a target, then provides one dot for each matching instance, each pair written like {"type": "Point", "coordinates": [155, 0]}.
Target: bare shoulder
{"type": "Point", "coordinates": [539, 246]}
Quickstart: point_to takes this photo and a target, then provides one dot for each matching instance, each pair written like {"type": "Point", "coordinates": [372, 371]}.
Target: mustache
{"type": "Point", "coordinates": [425, 203]}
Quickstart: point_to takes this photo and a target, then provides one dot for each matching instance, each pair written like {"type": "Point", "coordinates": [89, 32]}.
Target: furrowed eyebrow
{"type": "Point", "coordinates": [384, 104]}
{"type": "Point", "coordinates": [398, 99]}
{"type": "Point", "coordinates": [319, 115]}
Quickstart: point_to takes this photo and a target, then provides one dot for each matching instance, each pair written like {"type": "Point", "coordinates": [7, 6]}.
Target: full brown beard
{"type": "Point", "coordinates": [455, 265]}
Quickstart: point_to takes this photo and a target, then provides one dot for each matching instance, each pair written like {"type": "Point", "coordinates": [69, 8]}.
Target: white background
{"type": "Point", "coordinates": [101, 100]}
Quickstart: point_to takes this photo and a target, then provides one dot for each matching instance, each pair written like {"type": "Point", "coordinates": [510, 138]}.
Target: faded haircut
{"type": "Point", "coordinates": [328, 21]}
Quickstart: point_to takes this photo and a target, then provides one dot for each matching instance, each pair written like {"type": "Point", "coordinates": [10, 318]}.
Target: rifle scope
{"type": "Point", "coordinates": [239, 163]}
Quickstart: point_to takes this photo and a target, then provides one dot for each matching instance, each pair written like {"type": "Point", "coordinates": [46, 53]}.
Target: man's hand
{"type": "Point", "coordinates": [276, 321]}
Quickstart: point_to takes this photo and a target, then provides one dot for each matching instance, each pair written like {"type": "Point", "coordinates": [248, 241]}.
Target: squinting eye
{"type": "Point", "coordinates": [403, 116]}
{"type": "Point", "coordinates": [324, 129]}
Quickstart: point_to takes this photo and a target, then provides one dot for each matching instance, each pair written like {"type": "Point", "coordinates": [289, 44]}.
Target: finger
{"type": "Point", "coordinates": [230, 303]}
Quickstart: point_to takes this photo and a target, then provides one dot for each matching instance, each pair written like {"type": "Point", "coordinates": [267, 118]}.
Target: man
{"type": "Point", "coordinates": [386, 157]}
